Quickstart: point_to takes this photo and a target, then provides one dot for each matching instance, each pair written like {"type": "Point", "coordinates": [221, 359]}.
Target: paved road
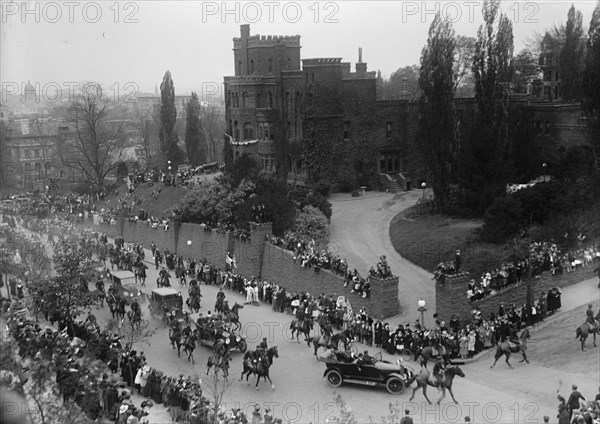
{"type": "Point", "coordinates": [302, 395]}
{"type": "Point", "coordinates": [360, 232]}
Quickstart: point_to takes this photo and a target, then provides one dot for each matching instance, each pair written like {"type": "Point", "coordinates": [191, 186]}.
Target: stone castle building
{"type": "Point", "coordinates": [320, 120]}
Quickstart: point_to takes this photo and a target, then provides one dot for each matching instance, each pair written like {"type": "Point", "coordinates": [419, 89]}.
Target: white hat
{"type": "Point", "coordinates": [123, 409]}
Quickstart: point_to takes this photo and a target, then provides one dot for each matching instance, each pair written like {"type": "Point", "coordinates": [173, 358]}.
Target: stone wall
{"type": "Point", "coordinates": [209, 245]}
{"type": "Point", "coordinates": [259, 259]}
{"type": "Point", "coordinates": [451, 298]}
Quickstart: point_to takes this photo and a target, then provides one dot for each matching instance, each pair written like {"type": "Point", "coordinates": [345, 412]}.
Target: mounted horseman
{"type": "Point", "coordinates": [590, 326]}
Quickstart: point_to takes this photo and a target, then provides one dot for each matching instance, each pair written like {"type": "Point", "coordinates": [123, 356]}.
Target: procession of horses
{"type": "Point", "coordinates": [323, 329]}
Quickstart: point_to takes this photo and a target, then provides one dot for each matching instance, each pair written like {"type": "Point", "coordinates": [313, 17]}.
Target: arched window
{"type": "Point", "coordinates": [270, 99]}
{"type": "Point", "coordinates": [310, 99]}
{"type": "Point", "coordinates": [236, 130]}
{"type": "Point", "coordinates": [270, 65]}
{"type": "Point", "coordinates": [252, 66]}
{"type": "Point", "coordinates": [231, 99]}
{"type": "Point", "coordinates": [38, 171]}
{"type": "Point", "coordinates": [258, 99]}
{"type": "Point", "coordinates": [287, 100]}
{"type": "Point", "coordinates": [289, 63]}
{"type": "Point", "coordinates": [239, 69]}
{"type": "Point", "coordinates": [237, 99]}
{"type": "Point", "coordinates": [297, 100]}
{"type": "Point", "coordinates": [248, 131]}
{"type": "Point", "coordinates": [244, 99]}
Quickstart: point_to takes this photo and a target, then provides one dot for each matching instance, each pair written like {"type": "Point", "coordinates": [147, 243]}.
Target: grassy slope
{"type": "Point", "coordinates": [168, 198]}
{"type": "Point", "coordinates": [428, 240]}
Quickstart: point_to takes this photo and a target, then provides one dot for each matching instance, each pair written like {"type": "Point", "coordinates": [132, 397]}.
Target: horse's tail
{"type": "Point", "coordinates": [578, 333]}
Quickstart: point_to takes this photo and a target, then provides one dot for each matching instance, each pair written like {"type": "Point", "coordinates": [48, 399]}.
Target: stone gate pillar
{"type": "Point", "coordinates": [384, 297]}
{"type": "Point", "coordinates": [451, 297]}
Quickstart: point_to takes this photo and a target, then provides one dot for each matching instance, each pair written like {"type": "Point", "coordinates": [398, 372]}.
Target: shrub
{"type": "Point", "coordinates": [312, 224]}
{"type": "Point", "coordinates": [355, 193]}
{"type": "Point", "coordinates": [323, 187]}
{"type": "Point", "coordinates": [303, 197]}
{"type": "Point", "coordinates": [502, 219]}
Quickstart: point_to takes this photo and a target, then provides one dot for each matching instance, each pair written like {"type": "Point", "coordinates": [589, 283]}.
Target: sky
{"type": "Point", "coordinates": [127, 46]}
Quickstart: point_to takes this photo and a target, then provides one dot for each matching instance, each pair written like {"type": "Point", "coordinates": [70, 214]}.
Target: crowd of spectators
{"type": "Point", "coordinates": [307, 254]}
{"type": "Point", "coordinates": [576, 409]}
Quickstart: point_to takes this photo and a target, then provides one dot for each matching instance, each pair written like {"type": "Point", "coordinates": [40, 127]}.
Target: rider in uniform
{"type": "Point", "coordinates": [100, 286]}
{"type": "Point", "coordinates": [135, 306]}
{"type": "Point", "coordinates": [220, 300]}
{"type": "Point", "coordinates": [301, 315]}
{"type": "Point", "coordinates": [438, 370]}
{"type": "Point", "coordinates": [261, 349]}
{"type": "Point", "coordinates": [513, 336]}
{"type": "Point", "coordinates": [590, 319]}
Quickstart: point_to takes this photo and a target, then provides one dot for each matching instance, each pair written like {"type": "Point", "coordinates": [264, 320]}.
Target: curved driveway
{"type": "Point", "coordinates": [360, 232]}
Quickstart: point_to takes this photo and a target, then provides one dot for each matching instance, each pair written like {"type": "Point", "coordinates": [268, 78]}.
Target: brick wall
{"type": "Point", "coordinates": [451, 298]}
{"type": "Point", "coordinates": [259, 259]}
{"type": "Point", "coordinates": [211, 246]}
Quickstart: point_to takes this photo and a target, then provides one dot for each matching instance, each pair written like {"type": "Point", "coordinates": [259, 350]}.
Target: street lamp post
{"type": "Point", "coordinates": [544, 165]}
{"type": "Point", "coordinates": [422, 309]}
{"type": "Point", "coordinates": [189, 243]}
{"type": "Point", "coordinates": [423, 186]}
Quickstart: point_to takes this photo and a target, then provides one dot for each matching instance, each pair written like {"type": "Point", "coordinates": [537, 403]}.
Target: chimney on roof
{"type": "Point", "coordinates": [361, 68]}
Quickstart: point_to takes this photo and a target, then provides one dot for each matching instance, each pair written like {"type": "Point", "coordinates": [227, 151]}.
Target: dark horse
{"type": "Point", "coordinates": [428, 352]}
{"type": "Point", "coordinates": [424, 379]}
{"type": "Point", "coordinates": [584, 330]}
{"type": "Point", "coordinates": [220, 361]}
{"type": "Point", "coordinates": [232, 315]}
{"type": "Point", "coordinates": [193, 303]}
{"type": "Point", "coordinates": [505, 349]}
{"type": "Point", "coordinates": [305, 328]}
{"type": "Point", "coordinates": [135, 318]}
{"type": "Point", "coordinates": [344, 337]}
{"type": "Point", "coordinates": [189, 344]}
{"type": "Point", "coordinates": [260, 366]}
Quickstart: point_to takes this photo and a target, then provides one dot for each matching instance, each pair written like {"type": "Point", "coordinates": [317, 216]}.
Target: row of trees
{"type": "Point", "coordinates": [475, 173]}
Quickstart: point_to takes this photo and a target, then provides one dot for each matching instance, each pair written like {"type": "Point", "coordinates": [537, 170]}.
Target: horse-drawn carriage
{"type": "Point", "coordinates": [395, 377]}
{"type": "Point", "coordinates": [163, 301]}
{"type": "Point", "coordinates": [213, 328]}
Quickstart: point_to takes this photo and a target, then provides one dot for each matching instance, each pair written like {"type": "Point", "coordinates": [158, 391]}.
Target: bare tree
{"type": "Point", "coordinates": [216, 385]}
{"type": "Point", "coordinates": [213, 122]}
{"type": "Point", "coordinates": [148, 126]}
{"type": "Point", "coordinates": [95, 146]}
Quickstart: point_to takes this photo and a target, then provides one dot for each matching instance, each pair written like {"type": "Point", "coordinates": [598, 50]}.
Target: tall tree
{"type": "Point", "coordinates": [168, 116]}
{"type": "Point", "coordinates": [94, 146]}
{"type": "Point", "coordinates": [195, 142]}
{"type": "Point", "coordinates": [526, 69]}
{"type": "Point", "coordinates": [591, 83]}
{"type": "Point", "coordinates": [486, 156]}
{"type": "Point", "coordinates": [571, 57]}
{"type": "Point", "coordinates": [437, 125]}
{"type": "Point", "coordinates": [463, 62]}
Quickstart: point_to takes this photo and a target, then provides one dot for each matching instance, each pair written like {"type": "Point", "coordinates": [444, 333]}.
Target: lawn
{"type": "Point", "coordinates": [427, 240]}
{"type": "Point", "coordinates": [167, 198]}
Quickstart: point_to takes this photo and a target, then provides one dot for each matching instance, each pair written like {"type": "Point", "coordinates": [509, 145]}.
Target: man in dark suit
{"type": "Point", "coordinates": [457, 261]}
{"type": "Point", "coordinates": [406, 419]}
{"type": "Point", "coordinates": [573, 401]}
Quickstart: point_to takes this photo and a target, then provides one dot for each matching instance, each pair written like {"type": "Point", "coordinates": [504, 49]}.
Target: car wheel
{"type": "Point", "coordinates": [334, 378]}
{"type": "Point", "coordinates": [394, 385]}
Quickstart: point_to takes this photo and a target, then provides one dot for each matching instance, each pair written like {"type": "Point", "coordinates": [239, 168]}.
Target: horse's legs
{"type": "Point", "coordinates": [507, 357]}
{"type": "Point", "coordinates": [443, 393]}
{"type": "Point", "coordinates": [257, 380]}
{"type": "Point", "coordinates": [452, 394]}
{"type": "Point", "coordinates": [594, 333]}
{"type": "Point", "coordinates": [269, 378]}
{"type": "Point", "coordinates": [425, 393]}
{"type": "Point", "coordinates": [525, 357]}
